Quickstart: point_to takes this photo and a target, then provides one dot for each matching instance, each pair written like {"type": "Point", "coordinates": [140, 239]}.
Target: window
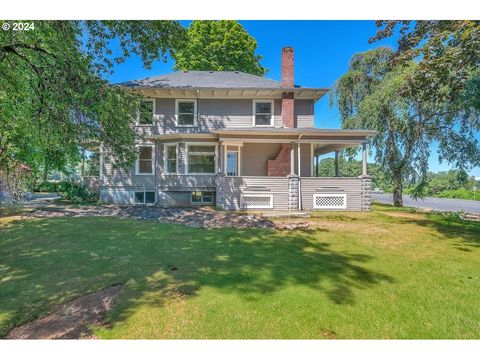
{"type": "Point", "coordinates": [232, 163]}
{"type": "Point", "coordinates": [263, 113]}
{"type": "Point", "coordinates": [146, 111]}
{"type": "Point", "coordinates": [202, 197]}
{"type": "Point", "coordinates": [145, 161]}
{"type": "Point", "coordinates": [186, 112]}
{"type": "Point", "coordinates": [144, 197]}
{"type": "Point", "coordinates": [201, 159]}
{"type": "Point", "coordinates": [170, 159]}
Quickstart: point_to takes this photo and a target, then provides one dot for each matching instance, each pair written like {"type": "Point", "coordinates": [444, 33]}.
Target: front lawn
{"type": "Point", "coordinates": [385, 274]}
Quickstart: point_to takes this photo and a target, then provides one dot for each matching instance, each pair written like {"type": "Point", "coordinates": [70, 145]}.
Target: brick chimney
{"type": "Point", "coordinates": [287, 82]}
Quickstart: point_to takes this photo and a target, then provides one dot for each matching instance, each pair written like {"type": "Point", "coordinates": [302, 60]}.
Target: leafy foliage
{"type": "Point", "coordinates": [53, 98]}
{"type": "Point", "coordinates": [376, 93]}
{"type": "Point", "coordinates": [219, 46]}
{"type": "Point", "coordinates": [71, 192]}
{"type": "Point", "coordinates": [352, 168]}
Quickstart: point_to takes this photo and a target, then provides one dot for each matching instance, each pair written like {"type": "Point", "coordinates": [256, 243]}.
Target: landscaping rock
{"type": "Point", "coordinates": [193, 217]}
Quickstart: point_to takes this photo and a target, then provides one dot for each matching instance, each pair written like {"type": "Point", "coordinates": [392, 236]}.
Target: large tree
{"type": "Point", "coordinates": [377, 93]}
{"type": "Point", "coordinates": [53, 94]}
{"type": "Point", "coordinates": [219, 46]}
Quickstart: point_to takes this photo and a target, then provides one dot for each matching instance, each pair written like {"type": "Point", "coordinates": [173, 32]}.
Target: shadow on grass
{"type": "Point", "coordinates": [465, 233]}
{"type": "Point", "coordinates": [51, 261]}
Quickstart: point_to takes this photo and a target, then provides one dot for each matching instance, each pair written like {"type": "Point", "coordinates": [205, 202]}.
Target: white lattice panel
{"type": "Point", "coordinates": [256, 201]}
{"type": "Point", "coordinates": [329, 201]}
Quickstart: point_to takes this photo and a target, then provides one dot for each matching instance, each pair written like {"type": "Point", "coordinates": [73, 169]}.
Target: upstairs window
{"type": "Point", "coordinates": [201, 159]}
{"type": "Point", "coordinates": [146, 112]}
{"type": "Point", "coordinates": [171, 158]}
{"type": "Point", "coordinates": [144, 165]}
{"type": "Point", "coordinates": [186, 112]}
{"type": "Point", "coordinates": [263, 113]}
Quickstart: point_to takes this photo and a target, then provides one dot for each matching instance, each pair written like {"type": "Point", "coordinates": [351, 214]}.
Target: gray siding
{"type": "Point", "coordinates": [173, 198]}
{"type": "Point", "coordinates": [214, 114]}
{"type": "Point", "coordinates": [254, 158]}
{"type": "Point", "coordinates": [121, 195]}
{"type": "Point", "coordinates": [350, 186]}
{"type": "Point", "coordinates": [235, 186]}
{"type": "Point", "coordinates": [187, 182]}
{"type": "Point", "coordinates": [113, 176]}
{"type": "Point", "coordinates": [303, 112]}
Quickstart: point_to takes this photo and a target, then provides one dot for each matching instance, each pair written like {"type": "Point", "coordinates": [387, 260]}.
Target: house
{"type": "Point", "coordinates": [233, 140]}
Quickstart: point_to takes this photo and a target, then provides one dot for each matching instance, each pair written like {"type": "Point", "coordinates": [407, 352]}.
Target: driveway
{"type": "Point", "coordinates": [441, 204]}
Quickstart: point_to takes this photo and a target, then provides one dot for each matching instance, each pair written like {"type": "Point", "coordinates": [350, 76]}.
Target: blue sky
{"type": "Point", "coordinates": [322, 53]}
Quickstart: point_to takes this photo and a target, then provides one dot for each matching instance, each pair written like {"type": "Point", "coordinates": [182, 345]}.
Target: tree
{"type": "Point", "coordinates": [447, 54]}
{"type": "Point", "coordinates": [53, 95]}
{"type": "Point", "coordinates": [377, 93]}
{"type": "Point", "coordinates": [353, 168]}
{"type": "Point", "coordinates": [219, 46]}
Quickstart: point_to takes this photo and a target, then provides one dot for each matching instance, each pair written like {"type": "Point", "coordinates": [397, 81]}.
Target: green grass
{"type": "Point", "coordinates": [385, 274]}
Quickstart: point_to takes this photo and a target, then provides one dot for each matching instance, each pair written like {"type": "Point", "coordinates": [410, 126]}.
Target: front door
{"type": "Point", "coordinates": [232, 163]}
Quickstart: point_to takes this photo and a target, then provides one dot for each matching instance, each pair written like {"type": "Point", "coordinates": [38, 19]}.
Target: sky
{"type": "Point", "coordinates": [322, 53]}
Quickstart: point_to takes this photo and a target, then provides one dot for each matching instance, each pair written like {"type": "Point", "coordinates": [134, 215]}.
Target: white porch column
{"type": "Point", "coordinates": [220, 157]}
{"type": "Point", "coordinates": [224, 158]}
{"type": "Point", "coordinates": [292, 158]}
{"type": "Point", "coordinates": [298, 159]}
{"type": "Point", "coordinates": [364, 159]}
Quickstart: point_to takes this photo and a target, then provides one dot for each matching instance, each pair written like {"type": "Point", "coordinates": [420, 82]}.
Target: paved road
{"type": "Point", "coordinates": [442, 204]}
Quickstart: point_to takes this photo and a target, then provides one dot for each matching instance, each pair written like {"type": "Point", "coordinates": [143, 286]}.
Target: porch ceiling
{"type": "Point", "coordinates": [323, 140]}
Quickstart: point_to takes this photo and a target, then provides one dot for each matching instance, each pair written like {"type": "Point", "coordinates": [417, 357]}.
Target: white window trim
{"type": "Point", "coordinates": [137, 162]}
{"type": "Point", "coordinates": [165, 165]}
{"type": "Point", "coordinates": [154, 112]}
{"type": "Point", "coordinates": [256, 194]}
{"type": "Point", "coordinates": [272, 116]}
{"type": "Point", "coordinates": [144, 203]}
{"type": "Point", "coordinates": [202, 202]}
{"type": "Point", "coordinates": [187, 151]}
{"type": "Point", "coordinates": [177, 101]}
{"type": "Point", "coordinates": [330, 195]}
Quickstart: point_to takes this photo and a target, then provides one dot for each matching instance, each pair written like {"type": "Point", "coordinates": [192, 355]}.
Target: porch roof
{"type": "Point", "coordinates": [295, 132]}
{"type": "Point", "coordinates": [323, 140]}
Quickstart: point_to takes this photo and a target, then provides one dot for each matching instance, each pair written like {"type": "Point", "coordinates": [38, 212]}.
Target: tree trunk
{"type": "Point", "coordinates": [397, 190]}
{"type": "Point", "coordinates": [45, 171]}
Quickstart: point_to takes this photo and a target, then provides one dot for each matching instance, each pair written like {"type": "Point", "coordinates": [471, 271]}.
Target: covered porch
{"type": "Point", "coordinates": [276, 169]}
{"type": "Point", "coordinates": [284, 152]}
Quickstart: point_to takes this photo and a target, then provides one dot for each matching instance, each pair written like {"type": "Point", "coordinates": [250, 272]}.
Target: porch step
{"type": "Point", "coordinates": [283, 213]}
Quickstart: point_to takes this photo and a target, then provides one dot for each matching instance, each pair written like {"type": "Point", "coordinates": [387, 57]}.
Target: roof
{"type": "Point", "coordinates": [206, 79]}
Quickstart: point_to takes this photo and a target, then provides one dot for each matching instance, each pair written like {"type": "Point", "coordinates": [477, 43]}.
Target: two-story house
{"type": "Point", "coordinates": [233, 140]}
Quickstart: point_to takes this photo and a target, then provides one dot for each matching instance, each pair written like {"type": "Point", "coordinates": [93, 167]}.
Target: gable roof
{"type": "Point", "coordinates": [206, 79]}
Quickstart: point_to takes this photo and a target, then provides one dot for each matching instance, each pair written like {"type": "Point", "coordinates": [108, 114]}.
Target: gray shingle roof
{"type": "Point", "coordinates": [205, 79]}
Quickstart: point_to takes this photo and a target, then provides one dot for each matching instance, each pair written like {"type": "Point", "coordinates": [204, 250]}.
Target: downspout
{"type": "Point", "coordinates": [299, 173]}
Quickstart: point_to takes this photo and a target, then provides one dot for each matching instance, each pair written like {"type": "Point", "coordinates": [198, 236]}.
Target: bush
{"type": "Point", "coordinates": [71, 192]}
{"type": "Point", "coordinates": [459, 194]}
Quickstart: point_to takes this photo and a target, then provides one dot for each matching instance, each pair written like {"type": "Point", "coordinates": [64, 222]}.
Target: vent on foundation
{"type": "Point", "coordinates": [256, 201]}
{"type": "Point", "coordinates": [329, 201]}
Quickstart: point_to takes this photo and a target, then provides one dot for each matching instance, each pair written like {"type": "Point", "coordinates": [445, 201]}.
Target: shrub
{"type": "Point", "coordinates": [71, 192]}
{"type": "Point", "coordinates": [459, 194]}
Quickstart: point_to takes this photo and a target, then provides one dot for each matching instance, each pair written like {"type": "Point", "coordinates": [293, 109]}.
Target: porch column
{"type": "Point", "coordinates": [292, 158]}
{"type": "Point", "coordinates": [336, 164]}
{"type": "Point", "coordinates": [298, 160]}
{"type": "Point", "coordinates": [224, 158]}
{"type": "Point", "coordinates": [364, 159]}
{"type": "Point", "coordinates": [220, 157]}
